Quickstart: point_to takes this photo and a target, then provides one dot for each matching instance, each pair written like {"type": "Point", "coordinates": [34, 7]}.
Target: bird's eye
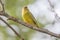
{"type": "Point", "coordinates": [25, 7]}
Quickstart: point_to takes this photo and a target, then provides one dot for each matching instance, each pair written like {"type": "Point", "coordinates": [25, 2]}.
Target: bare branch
{"type": "Point", "coordinates": [52, 6]}
{"type": "Point", "coordinates": [33, 27]}
{"type": "Point", "coordinates": [3, 12]}
{"type": "Point", "coordinates": [52, 9]}
{"type": "Point", "coordinates": [11, 28]}
{"type": "Point", "coordinates": [25, 24]}
{"type": "Point", "coordinates": [2, 5]}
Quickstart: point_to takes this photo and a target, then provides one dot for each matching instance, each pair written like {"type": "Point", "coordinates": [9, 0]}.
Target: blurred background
{"type": "Point", "coordinates": [41, 7]}
{"type": "Point", "coordinates": [14, 8]}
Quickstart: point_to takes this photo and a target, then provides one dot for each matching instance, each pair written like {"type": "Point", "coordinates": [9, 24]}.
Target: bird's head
{"type": "Point", "coordinates": [24, 9]}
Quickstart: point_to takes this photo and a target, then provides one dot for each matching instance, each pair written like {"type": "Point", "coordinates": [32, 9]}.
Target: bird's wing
{"type": "Point", "coordinates": [35, 21]}
{"type": "Point", "coordinates": [32, 18]}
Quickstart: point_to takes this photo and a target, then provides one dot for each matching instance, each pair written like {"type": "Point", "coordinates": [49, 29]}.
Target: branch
{"type": "Point", "coordinates": [52, 9]}
{"type": "Point", "coordinates": [11, 28]}
{"type": "Point", "coordinates": [2, 5]}
{"type": "Point", "coordinates": [5, 14]}
{"type": "Point", "coordinates": [52, 6]}
{"type": "Point", "coordinates": [32, 27]}
{"type": "Point", "coordinates": [28, 25]}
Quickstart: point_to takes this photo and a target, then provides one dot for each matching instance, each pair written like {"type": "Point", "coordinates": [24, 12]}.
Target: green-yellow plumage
{"type": "Point", "coordinates": [28, 17]}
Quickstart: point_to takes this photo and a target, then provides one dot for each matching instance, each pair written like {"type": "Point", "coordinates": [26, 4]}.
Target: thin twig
{"type": "Point", "coordinates": [52, 6]}
{"type": "Point", "coordinates": [28, 25]}
{"type": "Point", "coordinates": [52, 9]}
{"type": "Point", "coordinates": [11, 28]}
{"type": "Point", "coordinates": [3, 12]}
{"type": "Point", "coordinates": [2, 5]}
{"type": "Point", "coordinates": [33, 27]}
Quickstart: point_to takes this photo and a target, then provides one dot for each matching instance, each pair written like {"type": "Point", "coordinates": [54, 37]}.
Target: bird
{"type": "Point", "coordinates": [28, 17]}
